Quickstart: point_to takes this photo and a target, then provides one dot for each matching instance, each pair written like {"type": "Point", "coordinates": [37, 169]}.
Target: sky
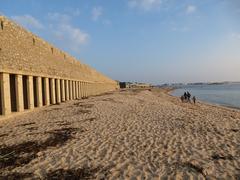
{"type": "Point", "coordinates": [152, 41]}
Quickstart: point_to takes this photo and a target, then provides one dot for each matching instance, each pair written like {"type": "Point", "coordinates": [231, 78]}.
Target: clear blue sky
{"type": "Point", "coordinates": [154, 41]}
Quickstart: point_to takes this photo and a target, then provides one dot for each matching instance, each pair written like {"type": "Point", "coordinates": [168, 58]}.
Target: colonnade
{"type": "Point", "coordinates": [25, 92]}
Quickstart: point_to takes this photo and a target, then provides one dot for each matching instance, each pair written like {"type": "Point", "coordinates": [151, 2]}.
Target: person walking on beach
{"type": "Point", "coordinates": [188, 96]}
{"type": "Point", "coordinates": [194, 99]}
{"type": "Point", "coordinates": [185, 95]}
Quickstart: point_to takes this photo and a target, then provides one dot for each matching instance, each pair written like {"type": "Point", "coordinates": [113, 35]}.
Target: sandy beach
{"type": "Point", "coordinates": [130, 134]}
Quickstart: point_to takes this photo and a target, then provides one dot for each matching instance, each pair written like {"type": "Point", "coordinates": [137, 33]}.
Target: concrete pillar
{"type": "Point", "coordinates": [46, 91]}
{"type": "Point", "coordinates": [5, 93]}
{"type": "Point", "coordinates": [19, 93]}
{"type": "Point", "coordinates": [70, 90]}
{"type": "Point", "coordinates": [87, 89]}
{"type": "Point", "coordinates": [58, 90]}
{"type": "Point", "coordinates": [77, 89]}
{"type": "Point", "coordinates": [63, 90]}
{"type": "Point", "coordinates": [96, 89]}
{"type": "Point", "coordinates": [53, 91]}
{"type": "Point", "coordinates": [39, 92]}
{"type": "Point", "coordinates": [30, 92]}
{"type": "Point", "coordinates": [84, 89]}
{"type": "Point", "coordinates": [74, 90]}
{"type": "Point", "coordinates": [81, 92]}
{"type": "Point", "coordinates": [92, 89]}
{"type": "Point", "coordinates": [80, 89]}
{"type": "Point", "coordinates": [99, 88]}
{"type": "Point", "coordinates": [67, 90]}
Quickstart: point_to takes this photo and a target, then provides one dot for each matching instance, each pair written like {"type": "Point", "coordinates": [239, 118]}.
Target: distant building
{"type": "Point", "coordinates": [124, 85]}
{"type": "Point", "coordinates": [140, 85]}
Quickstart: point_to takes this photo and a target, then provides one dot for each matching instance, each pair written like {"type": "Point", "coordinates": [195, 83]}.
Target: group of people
{"type": "Point", "coordinates": [186, 97]}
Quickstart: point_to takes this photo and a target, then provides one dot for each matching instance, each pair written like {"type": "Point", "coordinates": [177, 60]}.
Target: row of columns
{"type": "Point", "coordinates": [28, 92]}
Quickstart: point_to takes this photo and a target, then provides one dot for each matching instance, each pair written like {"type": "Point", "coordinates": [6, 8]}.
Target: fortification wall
{"type": "Point", "coordinates": [34, 73]}
{"type": "Point", "coordinates": [26, 52]}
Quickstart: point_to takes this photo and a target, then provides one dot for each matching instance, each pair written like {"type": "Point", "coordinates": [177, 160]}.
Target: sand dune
{"type": "Point", "coordinates": [133, 134]}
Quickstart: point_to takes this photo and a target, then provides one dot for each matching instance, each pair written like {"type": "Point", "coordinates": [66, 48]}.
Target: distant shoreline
{"type": "Point", "coordinates": [171, 90]}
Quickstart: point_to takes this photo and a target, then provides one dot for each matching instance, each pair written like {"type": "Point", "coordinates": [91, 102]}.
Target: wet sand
{"type": "Point", "coordinates": [133, 134]}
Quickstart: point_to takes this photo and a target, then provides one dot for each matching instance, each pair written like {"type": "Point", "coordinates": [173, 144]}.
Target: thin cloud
{"type": "Point", "coordinates": [59, 27]}
{"type": "Point", "coordinates": [59, 17]}
{"type": "Point", "coordinates": [96, 13]}
{"type": "Point", "coordinates": [71, 34]}
{"type": "Point", "coordinates": [145, 5]}
{"type": "Point", "coordinates": [191, 9]}
{"type": "Point", "coordinates": [65, 33]}
{"type": "Point", "coordinates": [28, 21]}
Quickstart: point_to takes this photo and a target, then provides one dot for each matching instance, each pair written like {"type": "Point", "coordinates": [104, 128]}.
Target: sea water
{"type": "Point", "coordinates": [221, 94]}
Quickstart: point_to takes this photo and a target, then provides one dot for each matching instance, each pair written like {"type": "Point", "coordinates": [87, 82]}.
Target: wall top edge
{"type": "Point", "coordinates": [13, 23]}
{"type": "Point", "coordinates": [70, 59]}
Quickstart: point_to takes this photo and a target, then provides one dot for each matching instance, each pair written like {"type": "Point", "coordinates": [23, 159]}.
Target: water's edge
{"type": "Point", "coordinates": [170, 92]}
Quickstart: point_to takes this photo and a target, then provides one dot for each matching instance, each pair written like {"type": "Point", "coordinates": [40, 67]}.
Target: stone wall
{"type": "Point", "coordinates": [34, 73]}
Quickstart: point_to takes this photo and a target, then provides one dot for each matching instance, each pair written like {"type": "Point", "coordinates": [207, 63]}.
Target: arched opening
{"type": "Point", "coordinates": [50, 91]}
{"type": "Point", "coordinates": [69, 89]}
{"type": "Point", "coordinates": [13, 96]}
{"type": "Point", "coordinates": [25, 92]}
{"type": "Point", "coordinates": [66, 92]}
{"type": "Point", "coordinates": [43, 92]}
{"type": "Point", "coordinates": [34, 41]}
{"type": "Point", "coordinates": [35, 91]}
{"type": "Point", "coordinates": [56, 91]}
{"type": "Point", "coordinates": [2, 25]}
{"type": "Point", "coordinates": [61, 90]}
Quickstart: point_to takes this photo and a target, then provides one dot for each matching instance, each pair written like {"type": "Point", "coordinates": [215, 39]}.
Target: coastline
{"type": "Point", "coordinates": [206, 102]}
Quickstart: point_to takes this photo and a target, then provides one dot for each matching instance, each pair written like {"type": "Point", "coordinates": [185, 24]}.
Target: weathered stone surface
{"type": "Point", "coordinates": [22, 52]}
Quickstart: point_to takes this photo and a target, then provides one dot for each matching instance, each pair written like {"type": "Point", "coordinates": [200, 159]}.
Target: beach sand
{"type": "Point", "coordinates": [131, 134]}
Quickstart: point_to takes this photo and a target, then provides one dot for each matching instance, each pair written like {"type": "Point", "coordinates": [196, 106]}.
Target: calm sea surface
{"type": "Point", "coordinates": [226, 95]}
